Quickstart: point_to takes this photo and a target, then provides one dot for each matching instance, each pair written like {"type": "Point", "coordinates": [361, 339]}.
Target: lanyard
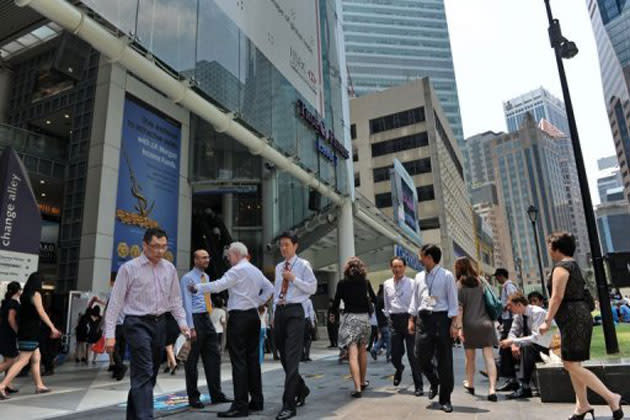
{"type": "Point", "coordinates": [432, 282]}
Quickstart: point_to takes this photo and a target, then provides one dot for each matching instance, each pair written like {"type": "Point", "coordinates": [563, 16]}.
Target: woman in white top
{"type": "Point", "coordinates": [218, 317]}
{"type": "Point", "coordinates": [263, 313]}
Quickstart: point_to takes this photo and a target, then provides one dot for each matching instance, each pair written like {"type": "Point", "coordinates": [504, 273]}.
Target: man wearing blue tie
{"type": "Point", "coordinates": [205, 340]}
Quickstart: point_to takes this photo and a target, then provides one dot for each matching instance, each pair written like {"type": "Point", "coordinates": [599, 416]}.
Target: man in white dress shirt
{"type": "Point", "coordinates": [249, 289]}
{"type": "Point", "coordinates": [397, 293]}
{"type": "Point", "coordinates": [435, 304]}
{"type": "Point", "coordinates": [295, 283]}
{"type": "Point", "coordinates": [525, 341]}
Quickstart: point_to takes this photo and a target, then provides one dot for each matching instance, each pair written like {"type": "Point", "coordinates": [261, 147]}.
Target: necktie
{"type": "Point", "coordinates": [285, 282]}
{"type": "Point", "coordinates": [206, 296]}
{"type": "Point", "coordinates": [526, 330]}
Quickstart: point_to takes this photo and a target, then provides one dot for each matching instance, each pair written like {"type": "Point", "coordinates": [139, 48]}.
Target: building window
{"type": "Point", "coordinates": [353, 131]}
{"type": "Point", "coordinates": [383, 200]}
{"type": "Point", "coordinates": [357, 180]}
{"type": "Point", "coordinates": [426, 193]}
{"type": "Point", "coordinates": [399, 144]}
{"type": "Point", "coordinates": [414, 167]}
{"type": "Point", "coordinates": [432, 223]}
{"type": "Point", "coordinates": [397, 120]}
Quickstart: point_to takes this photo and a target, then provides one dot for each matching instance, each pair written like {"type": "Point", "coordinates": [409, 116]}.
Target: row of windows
{"type": "Point", "coordinates": [414, 167]}
{"type": "Point", "coordinates": [425, 193]}
{"type": "Point", "coordinates": [397, 120]}
{"type": "Point", "coordinates": [449, 146]}
{"type": "Point", "coordinates": [399, 144]}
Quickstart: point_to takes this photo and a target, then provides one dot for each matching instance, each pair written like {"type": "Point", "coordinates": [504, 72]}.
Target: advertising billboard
{"type": "Point", "coordinates": [404, 200]}
{"type": "Point", "coordinates": [148, 180]}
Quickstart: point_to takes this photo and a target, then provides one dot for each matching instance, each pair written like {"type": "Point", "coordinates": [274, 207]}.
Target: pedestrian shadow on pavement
{"type": "Point", "coordinates": [458, 409]}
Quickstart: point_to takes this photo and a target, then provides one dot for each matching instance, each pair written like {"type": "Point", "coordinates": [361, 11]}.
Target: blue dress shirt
{"type": "Point", "coordinates": [193, 303]}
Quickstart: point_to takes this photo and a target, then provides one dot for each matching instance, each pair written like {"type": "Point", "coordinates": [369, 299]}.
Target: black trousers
{"type": "Point", "coordinates": [146, 337]}
{"type": "Point", "coordinates": [433, 340]}
{"type": "Point", "coordinates": [119, 350]}
{"type": "Point", "coordinates": [308, 339]}
{"type": "Point", "coordinates": [208, 345]}
{"type": "Point", "coordinates": [243, 334]}
{"type": "Point", "coordinates": [333, 333]}
{"type": "Point", "coordinates": [400, 338]}
{"type": "Point", "coordinates": [289, 332]}
{"type": "Point", "coordinates": [530, 354]}
{"type": "Point", "coordinates": [506, 360]}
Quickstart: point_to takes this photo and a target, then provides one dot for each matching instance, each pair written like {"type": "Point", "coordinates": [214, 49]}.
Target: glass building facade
{"type": "Point", "coordinates": [391, 42]}
{"type": "Point", "coordinates": [541, 104]}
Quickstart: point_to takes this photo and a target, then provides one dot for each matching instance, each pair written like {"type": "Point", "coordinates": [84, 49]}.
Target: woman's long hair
{"type": "Point", "coordinates": [355, 269]}
{"type": "Point", "coordinates": [13, 288]}
{"type": "Point", "coordinates": [33, 284]}
{"type": "Point", "coordinates": [466, 273]}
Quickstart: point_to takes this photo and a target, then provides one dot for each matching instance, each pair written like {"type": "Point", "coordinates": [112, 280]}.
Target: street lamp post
{"type": "Point", "coordinates": [532, 213]}
{"type": "Point", "coordinates": [564, 48]}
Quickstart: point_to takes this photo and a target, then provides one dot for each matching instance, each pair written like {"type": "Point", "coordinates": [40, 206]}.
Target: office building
{"type": "Point", "coordinates": [407, 123]}
{"type": "Point", "coordinates": [478, 157]}
{"type": "Point", "coordinates": [390, 43]}
{"type": "Point", "coordinates": [484, 245]}
{"type": "Point", "coordinates": [609, 181]}
{"type": "Point", "coordinates": [613, 223]}
{"type": "Point", "coordinates": [610, 20]}
{"type": "Point", "coordinates": [540, 104]}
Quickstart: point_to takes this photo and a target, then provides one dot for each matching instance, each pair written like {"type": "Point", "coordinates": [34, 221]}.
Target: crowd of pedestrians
{"type": "Point", "coordinates": [150, 308]}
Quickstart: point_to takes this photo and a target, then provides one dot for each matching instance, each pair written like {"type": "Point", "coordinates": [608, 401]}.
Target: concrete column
{"type": "Point", "coordinates": [345, 241]}
{"type": "Point", "coordinates": [269, 214]}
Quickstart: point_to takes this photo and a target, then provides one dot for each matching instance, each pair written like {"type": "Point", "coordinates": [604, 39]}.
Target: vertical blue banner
{"type": "Point", "coordinates": [148, 180]}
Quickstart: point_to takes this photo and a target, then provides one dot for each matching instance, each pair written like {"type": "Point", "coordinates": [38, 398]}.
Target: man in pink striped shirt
{"type": "Point", "coordinates": [145, 289]}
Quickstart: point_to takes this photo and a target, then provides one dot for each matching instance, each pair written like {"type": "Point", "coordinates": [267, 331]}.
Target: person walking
{"type": "Point", "coordinates": [295, 282]}
{"type": "Point", "coordinates": [570, 306]}
{"type": "Point", "coordinates": [145, 289]}
{"type": "Point", "coordinates": [506, 361]}
{"type": "Point", "coordinates": [354, 332]}
{"type": "Point", "coordinates": [332, 325]}
{"type": "Point", "coordinates": [9, 328]}
{"type": "Point", "coordinates": [204, 338]}
{"type": "Point", "coordinates": [95, 332]}
{"type": "Point", "coordinates": [249, 289]}
{"type": "Point", "coordinates": [309, 327]}
{"type": "Point", "coordinates": [30, 316]}
{"type": "Point", "coordinates": [525, 340]}
{"type": "Point", "coordinates": [398, 293]}
{"type": "Point", "coordinates": [384, 337]}
{"type": "Point", "coordinates": [434, 303]}
{"type": "Point", "coordinates": [263, 314]}
{"type": "Point", "coordinates": [476, 329]}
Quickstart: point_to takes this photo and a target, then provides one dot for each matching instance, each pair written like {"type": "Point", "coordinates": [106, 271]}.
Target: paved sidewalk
{"type": "Point", "coordinates": [88, 392]}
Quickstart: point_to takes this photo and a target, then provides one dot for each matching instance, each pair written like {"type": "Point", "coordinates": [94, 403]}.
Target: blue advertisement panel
{"type": "Point", "coordinates": [404, 200]}
{"type": "Point", "coordinates": [148, 180]}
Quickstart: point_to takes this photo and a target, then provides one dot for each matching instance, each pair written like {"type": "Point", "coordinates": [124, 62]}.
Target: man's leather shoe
{"type": "Point", "coordinates": [285, 414]}
{"type": "Point", "coordinates": [121, 373]}
{"type": "Point", "coordinates": [256, 407]}
{"type": "Point", "coordinates": [221, 400]}
{"type": "Point", "coordinates": [196, 404]}
{"type": "Point", "coordinates": [447, 408]}
{"type": "Point", "coordinates": [419, 392]}
{"type": "Point", "coordinates": [510, 385]}
{"type": "Point", "coordinates": [521, 393]}
{"type": "Point", "coordinates": [397, 377]}
{"type": "Point", "coordinates": [433, 392]}
{"type": "Point", "coordinates": [232, 413]}
{"type": "Point", "coordinates": [301, 399]}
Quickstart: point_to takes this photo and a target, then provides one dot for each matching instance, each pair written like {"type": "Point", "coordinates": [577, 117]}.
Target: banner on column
{"type": "Point", "coordinates": [148, 180]}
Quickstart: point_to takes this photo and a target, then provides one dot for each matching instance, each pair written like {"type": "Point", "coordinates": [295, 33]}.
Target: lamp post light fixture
{"type": "Point", "coordinates": [564, 48]}
{"type": "Point", "coordinates": [532, 213]}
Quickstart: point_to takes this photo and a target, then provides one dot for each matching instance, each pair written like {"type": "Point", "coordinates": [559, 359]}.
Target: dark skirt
{"type": "Point", "coordinates": [8, 344]}
{"type": "Point", "coordinates": [576, 328]}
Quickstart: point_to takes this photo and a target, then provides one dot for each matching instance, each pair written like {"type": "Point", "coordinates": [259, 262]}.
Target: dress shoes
{"type": "Point", "coordinates": [301, 399]}
{"type": "Point", "coordinates": [520, 394]}
{"type": "Point", "coordinates": [447, 408]}
{"type": "Point", "coordinates": [231, 413]}
{"type": "Point", "coordinates": [510, 385]}
{"type": "Point", "coordinates": [221, 400]}
{"type": "Point", "coordinates": [398, 377]}
{"type": "Point", "coordinates": [285, 414]}
{"type": "Point", "coordinates": [196, 404]}
{"type": "Point", "coordinates": [256, 407]}
{"type": "Point", "coordinates": [419, 392]}
{"type": "Point", "coordinates": [433, 392]}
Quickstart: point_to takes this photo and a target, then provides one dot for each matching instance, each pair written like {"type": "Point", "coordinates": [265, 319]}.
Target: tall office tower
{"type": "Point", "coordinates": [611, 26]}
{"type": "Point", "coordinates": [541, 104]}
{"type": "Point", "coordinates": [392, 43]}
{"type": "Point", "coordinates": [609, 182]}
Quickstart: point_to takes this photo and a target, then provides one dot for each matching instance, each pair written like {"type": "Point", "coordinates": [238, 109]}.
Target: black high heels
{"type": "Point", "coordinates": [581, 416]}
{"type": "Point", "coordinates": [618, 413]}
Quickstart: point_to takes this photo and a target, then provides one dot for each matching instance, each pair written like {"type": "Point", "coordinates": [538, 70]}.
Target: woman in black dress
{"type": "Point", "coordinates": [30, 317]}
{"type": "Point", "coordinates": [9, 328]}
{"type": "Point", "coordinates": [172, 332]}
{"type": "Point", "coordinates": [570, 308]}
{"type": "Point", "coordinates": [94, 330]}
{"type": "Point", "coordinates": [356, 292]}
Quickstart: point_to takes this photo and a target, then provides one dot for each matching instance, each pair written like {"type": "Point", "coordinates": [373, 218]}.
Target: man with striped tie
{"type": "Point", "coordinates": [205, 340]}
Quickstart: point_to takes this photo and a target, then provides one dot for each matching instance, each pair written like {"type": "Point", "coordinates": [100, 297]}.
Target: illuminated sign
{"type": "Point", "coordinates": [327, 144]}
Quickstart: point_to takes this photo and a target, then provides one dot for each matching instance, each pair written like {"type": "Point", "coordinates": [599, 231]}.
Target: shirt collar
{"type": "Point", "coordinates": [292, 260]}
{"type": "Point", "coordinates": [198, 271]}
{"type": "Point", "coordinates": [143, 259]}
{"type": "Point", "coordinates": [436, 268]}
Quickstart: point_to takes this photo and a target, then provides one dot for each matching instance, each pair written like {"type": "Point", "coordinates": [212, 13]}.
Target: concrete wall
{"type": "Point", "coordinates": [5, 86]}
{"type": "Point", "coordinates": [102, 180]}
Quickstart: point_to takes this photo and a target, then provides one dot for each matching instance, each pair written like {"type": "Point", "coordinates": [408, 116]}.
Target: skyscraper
{"type": "Point", "coordinates": [390, 43]}
{"type": "Point", "coordinates": [609, 182]}
{"type": "Point", "coordinates": [541, 104]}
{"type": "Point", "coordinates": [611, 26]}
